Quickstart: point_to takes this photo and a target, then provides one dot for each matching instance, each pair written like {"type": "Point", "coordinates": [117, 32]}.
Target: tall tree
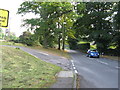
{"type": "Point", "coordinates": [95, 23]}
{"type": "Point", "coordinates": [116, 25]}
{"type": "Point", "coordinates": [51, 16]}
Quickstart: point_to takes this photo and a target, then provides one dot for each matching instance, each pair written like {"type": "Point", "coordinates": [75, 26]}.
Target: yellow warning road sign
{"type": "Point", "coordinates": [4, 15]}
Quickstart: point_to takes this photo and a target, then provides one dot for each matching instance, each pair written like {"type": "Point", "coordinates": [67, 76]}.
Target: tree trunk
{"type": "Point", "coordinates": [59, 42]}
{"type": "Point", "coordinates": [45, 40]}
{"type": "Point", "coordinates": [59, 37]}
{"type": "Point", "coordinates": [63, 46]}
{"type": "Point", "coordinates": [63, 33]}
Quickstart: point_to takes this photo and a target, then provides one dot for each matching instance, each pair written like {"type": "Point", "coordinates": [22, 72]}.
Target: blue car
{"type": "Point", "coordinates": [93, 53]}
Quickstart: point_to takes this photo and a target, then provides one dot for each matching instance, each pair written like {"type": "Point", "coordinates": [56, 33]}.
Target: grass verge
{"type": "Point", "coordinates": [11, 43]}
{"type": "Point", "coordinates": [21, 70]}
{"type": "Point", "coordinates": [111, 57]}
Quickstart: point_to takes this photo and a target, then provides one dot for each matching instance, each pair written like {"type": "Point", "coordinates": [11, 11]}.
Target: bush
{"type": "Point", "coordinates": [112, 52]}
{"type": "Point", "coordinates": [72, 43]}
{"type": "Point", "coordinates": [84, 46]}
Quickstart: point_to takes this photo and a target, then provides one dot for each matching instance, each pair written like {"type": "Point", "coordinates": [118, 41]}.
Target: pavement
{"type": "Point", "coordinates": [65, 79]}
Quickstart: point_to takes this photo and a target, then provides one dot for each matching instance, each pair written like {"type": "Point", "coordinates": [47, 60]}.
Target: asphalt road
{"type": "Point", "coordinates": [95, 72]}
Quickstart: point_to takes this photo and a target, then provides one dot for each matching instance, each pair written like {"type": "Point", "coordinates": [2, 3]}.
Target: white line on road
{"type": "Point", "coordinates": [43, 53]}
{"type": "Point", "coordinates": [72, 61]}
{"type": "Point", "coordinates": [117, 67]}
{"type": "Point", "coordinates": [76, 71]}
{"type": "Point", "coordinates": [74, 68]}
{"type": "Point", "coordinates": [73, 64]}
{"type": "Point", "coordinates": [91, 58]}
{"type": "Point", "coordinates": [103, 62]}
{"type": "Point", "coordinates": [33, 55]}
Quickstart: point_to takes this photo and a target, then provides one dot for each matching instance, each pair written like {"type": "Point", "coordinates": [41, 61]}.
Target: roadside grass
{"type": "Point", "coordinates": [111, 57]}
{"type": "Point", "coordinates": [22, 70]}
{"type": "Point", "coordinates": [11, 43]}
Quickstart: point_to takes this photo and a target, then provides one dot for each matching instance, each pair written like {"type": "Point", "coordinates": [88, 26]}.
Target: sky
{"type": "Point", "coordinates": [15, 20]}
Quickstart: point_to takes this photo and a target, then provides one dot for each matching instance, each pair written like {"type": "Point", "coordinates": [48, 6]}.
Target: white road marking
{"type": "Point", "coordinates": [74, 68]}
{"type": "Point", "coordinates": [91, 58]}
{"type": "Point", "coordinates": [33, 55]}
{"type": "Point", "coordinates": [117, 67]}
{"type": "Point", "coordinates": [103, 62]}
{"type": "Point", "coordinates": [72, 61]}
{"type": "Point", "coordinates": [43, 53]}
{"type": "Point", "coordinates": [76, 71]}
{"type": "Point", "coordinates": [99, 61]}
{"type": "Point", "coordinates": [73, 64]}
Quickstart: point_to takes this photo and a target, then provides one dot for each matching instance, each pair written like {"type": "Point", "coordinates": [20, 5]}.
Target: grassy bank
{"type": "Point", "coordinates": [111, 57]}
{"type": "Point", "coordinates": [21, 70]}
{"type": "Point", "coordinates": [11, 43]}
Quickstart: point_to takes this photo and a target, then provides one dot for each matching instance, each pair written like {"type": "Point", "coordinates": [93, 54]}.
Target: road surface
{"type": "Point", "coordinates": [95, 72]}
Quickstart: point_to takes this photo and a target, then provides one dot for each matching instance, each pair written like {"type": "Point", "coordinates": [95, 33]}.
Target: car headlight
{"type": "Point", "coordinates": [92, 54]}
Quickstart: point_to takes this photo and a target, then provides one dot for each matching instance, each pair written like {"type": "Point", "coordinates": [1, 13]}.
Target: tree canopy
{"type": "Point", "coordinates": [66, 22]}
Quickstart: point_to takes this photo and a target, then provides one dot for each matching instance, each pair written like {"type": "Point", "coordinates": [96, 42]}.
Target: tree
{"type": "Point", "coordinates": [116, 25]}
{"type": "Point", "coordinates": [1, 34]}
{"type": "Point", "coordinates": [26, 38]}
{"type": "Point", "coordinates": [95, 23]}
{"type": "Point", "coordinates": [50, 27]}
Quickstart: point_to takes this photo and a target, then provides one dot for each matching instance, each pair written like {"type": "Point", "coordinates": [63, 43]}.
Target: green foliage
{"type": "Point", "coordinates": [61, 22]}
{"type": "Point", "coordinates": [1, 34]}
{"type": "Point", "coordinates": [84, 46]}
{"type": "Point", "coordinates": [116, 24]}
{"type": "Point", "coordinates": [28, 38]}
{"type": "Point", "coordinates": [72, 43]}
{"type": "Point", "coordinates": [49, 27]}
{"type": "Point", "coordinates": [95, 23]}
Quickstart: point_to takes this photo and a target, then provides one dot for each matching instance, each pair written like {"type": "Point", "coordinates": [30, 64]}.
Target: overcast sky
{"type": "Point", "coordinates": [15, 20]}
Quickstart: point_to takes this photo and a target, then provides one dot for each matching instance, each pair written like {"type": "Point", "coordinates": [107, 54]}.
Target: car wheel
{"type": "Point", "coordinates": [90, 56]}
